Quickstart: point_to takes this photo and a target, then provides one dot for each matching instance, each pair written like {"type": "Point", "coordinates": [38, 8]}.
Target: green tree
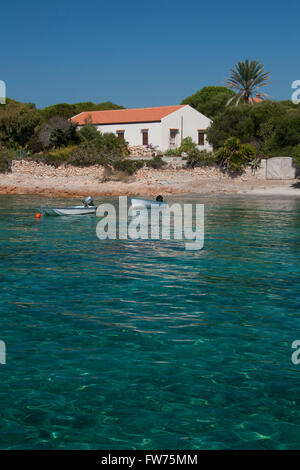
{"type": "Point", "coordinates": [245, 79]}
{"type": "Point", "coordinates": [210, 100]}
{"type": "Point", "coordinates": [58, 132]}
{"type": "Point", "coordinates": [232, 122]}
{"type": "Point", "coordinates": [88, 133]}
{"type": "Point", "coordinates": [17, 123]}
{"type": "Point", "coordinates": [63, 110]}
{"type": "Point", "coordinates": [66, 111]}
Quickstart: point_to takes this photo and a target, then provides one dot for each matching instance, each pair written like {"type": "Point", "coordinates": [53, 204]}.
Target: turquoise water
{"type": "Point", "coordinates": [143, 345]}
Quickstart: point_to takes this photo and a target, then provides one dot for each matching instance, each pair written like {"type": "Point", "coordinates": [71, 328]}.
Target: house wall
{"type": "Point", "coordinates": [187, 120]}
{"type": "Point", "coordinates": [133, 132]}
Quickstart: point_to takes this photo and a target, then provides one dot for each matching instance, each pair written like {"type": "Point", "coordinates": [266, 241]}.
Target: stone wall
{"type": "Point", "coordinates": [140, 151]}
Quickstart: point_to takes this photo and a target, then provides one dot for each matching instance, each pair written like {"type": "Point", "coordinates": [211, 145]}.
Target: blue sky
{"type": "Point", "coordinates": [138, 53]}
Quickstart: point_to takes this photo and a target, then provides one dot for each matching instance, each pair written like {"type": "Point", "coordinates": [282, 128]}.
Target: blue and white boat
{"type": "Point", "coordinates": [144, 203]}
{"type": "Point", "coordinates": [88, 207]}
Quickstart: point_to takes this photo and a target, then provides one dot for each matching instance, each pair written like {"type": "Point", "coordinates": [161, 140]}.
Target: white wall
{"type": "Point", "coordinates": [188, 120]}
{"type": "Point", "coordinates": [133, 132]}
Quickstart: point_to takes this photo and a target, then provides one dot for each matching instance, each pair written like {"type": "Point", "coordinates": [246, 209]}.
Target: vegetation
{"type": "Point", "coordinates": [270, 128]}
{"type": "Point", "coordinates": [55, 157]}
{"type": "Point", "coordinates": [187, 145]}
{"type": "Point", "coordinates": [65, 110]}
{"type": "Point", "coordinates": [128, 166]}
{"type": "Point", "coordinates": [210, 100]}
{"type": "Point", "coordinates": [197, 158]}
{"type": "Point", "coordinates": [5, 160]}
{"type": "Point", "coordinates": [156, 163]}
{"type": "Point", "coordinates": [88, 133]}
{"type": "Point", "coordinates": [273, 128]}
{"type": "Point", "coordinates": [245, 79]}
{"type": "Point", "coordinates": [17, 124]}
{"type": "Point", "coordinates": [234, 156]}
{"type": "Point", "coordinates": [57, 133]}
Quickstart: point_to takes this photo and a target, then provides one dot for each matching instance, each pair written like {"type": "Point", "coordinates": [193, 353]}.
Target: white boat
{"type": "Point", "coordinates": [144, 203]}
{"type": "Point", "coordinates": [74, 210]}
{"type": "Point", "coordinates": [87, 208]}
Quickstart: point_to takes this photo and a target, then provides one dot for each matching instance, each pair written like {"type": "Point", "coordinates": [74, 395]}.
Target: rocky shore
{"type": "Point", "coordinates": [36, 178]}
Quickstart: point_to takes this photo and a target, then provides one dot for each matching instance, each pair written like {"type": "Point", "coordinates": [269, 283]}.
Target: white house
{"type": "Point", "coordinates": [164, 126]}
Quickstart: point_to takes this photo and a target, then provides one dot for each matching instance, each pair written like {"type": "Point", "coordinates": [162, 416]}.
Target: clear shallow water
{"type": "Point", "coordinates": [144, 345]}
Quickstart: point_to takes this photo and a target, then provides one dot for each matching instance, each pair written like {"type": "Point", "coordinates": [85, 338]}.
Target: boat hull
{"type": "Point", "coordinates": [76, 210]}
{"type": "Point", "coordinates": [144, 203]}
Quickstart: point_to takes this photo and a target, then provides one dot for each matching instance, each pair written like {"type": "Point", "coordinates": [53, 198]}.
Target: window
{"type": "Point", "coordinates": [201, 137]}
{"type": "Point", "coordinates": [121, 134]}
{"type": "Point", "coordinates": [145, 136]}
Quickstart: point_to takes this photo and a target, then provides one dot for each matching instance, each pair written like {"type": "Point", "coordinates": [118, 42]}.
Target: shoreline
{"type": "Point", "coordinates": [31, 178]}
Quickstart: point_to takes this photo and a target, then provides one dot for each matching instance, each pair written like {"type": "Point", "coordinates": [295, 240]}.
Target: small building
{"type": "Point", "coordinates": [163, 127]}
{"type": "Point", "coordinates": [256, 99]}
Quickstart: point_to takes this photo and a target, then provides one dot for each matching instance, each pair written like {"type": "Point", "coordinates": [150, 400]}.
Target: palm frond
{"type": "Point", "coordinates": [246, 77]}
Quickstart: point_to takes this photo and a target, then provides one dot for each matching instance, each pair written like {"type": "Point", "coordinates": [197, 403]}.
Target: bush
{"type": "Point", "coordinates": [34, 144]}
{"type": "Point", "coordinates": [86, 154]}
{"type": "Point", "coordinates": [58, 133]}
{"type": "Point", "coordinates": [187, 146]}
{"type": "Point", "coordinates": [111, 146]}
{"type": "Point", "coordinates": [234, 157]}
{"type": "Point", "coordinates": [156, 163]}
{"type": "Point", "coordinates": [88, 133]}
{"type": "Point", "coordinates": [55, 157]}
{"type": "Point", "coordinates": [5, 160]}
{"type": "Point", "coordinates": [104, 150]}
{"type": "Point", "coordinates": [128, 166]}
{"type": "Point", "coordinates": [198, 158]}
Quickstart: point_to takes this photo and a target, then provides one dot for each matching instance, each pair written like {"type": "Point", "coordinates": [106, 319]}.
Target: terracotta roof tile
{"type": "Point", "coordinates": [123, 116]}
{"type": "Point", "coordinates": [256, 99]}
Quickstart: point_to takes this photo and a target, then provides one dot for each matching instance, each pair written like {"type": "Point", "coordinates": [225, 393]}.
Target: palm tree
{"type": "Point", "coordinates": [245, 79]}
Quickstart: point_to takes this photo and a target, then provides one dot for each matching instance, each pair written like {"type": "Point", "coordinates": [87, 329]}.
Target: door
{"type": "Point", "coordinates": [145, 138]}
{"type": "Point", "coordinates": [173, 134]}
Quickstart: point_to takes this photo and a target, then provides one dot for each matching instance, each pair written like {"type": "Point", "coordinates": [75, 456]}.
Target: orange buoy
{"type": "Point", "coordinates": [38, 215]}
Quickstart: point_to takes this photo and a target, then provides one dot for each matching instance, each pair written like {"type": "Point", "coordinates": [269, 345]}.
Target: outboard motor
{"type": "Point", "coordinates": [159, 199]}
{"type": "Point", "coordinates": [88, 201]}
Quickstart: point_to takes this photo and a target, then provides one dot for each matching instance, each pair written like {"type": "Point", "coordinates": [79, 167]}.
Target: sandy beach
{"type": "Point", "coordinates": [36, 178]}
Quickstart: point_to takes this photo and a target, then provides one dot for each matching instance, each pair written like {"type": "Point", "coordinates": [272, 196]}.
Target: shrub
{"type": "Point", "coordinates": [34, 144]}
{"type": "Point", "coordinates": [187, 146]}
{"type": "Point", "coordinates": [234, 156]}
{"type": "Point", "coordinates": [170, 152]}
{"type": "Point", "coordinates": [200, 158]}
{"type": "Point", "coordinates": [5, 160]}
{"type": "Point", "coordinates": [104, 150]}
{"type": "Point", "coordinates": [156, 162]}
{"type": "Point", "coordinates": [88, 133]}
{"type": "Point", "coordinates": [55, 157]}
{"type": "Point", "coordinates": [86, 154]}
{"type": "Point", "coordinates": [58, 133]}
{"type": "Point", "coordinates": [128, 166]}
{"type": "Point", "coordinates": [111, 146]}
